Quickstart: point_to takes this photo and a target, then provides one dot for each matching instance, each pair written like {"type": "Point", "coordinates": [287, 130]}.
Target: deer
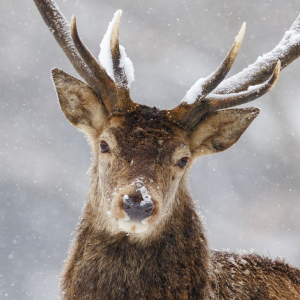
{"type": "Point", "coordinates": [140, 236]}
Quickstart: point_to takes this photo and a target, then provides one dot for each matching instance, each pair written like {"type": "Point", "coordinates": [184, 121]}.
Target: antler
{"type": "Point", "coordinates": [119, 71]}
{"type": "Point", "coordinates": [120, 60]}
{"type": "Point", "coordinates": [112, 96]}
{"type": "Point", "coordinates": [233, 91]}
{"type": "Point", "coordinates": [211, 82]}
{"type": "Point", "coordinates": [111, 85]}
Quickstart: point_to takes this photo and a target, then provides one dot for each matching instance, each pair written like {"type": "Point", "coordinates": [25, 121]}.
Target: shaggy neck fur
{"type": "Point", "coordinates": [106, 266]}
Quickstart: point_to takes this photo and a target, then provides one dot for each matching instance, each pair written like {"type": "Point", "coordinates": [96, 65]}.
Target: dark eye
{"type": "Point", "coordinates": [104, 147]}
{"type": "Point", "coordinates": [183, 162]}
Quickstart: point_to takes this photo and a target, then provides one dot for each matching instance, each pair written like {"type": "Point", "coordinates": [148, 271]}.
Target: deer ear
{"type": "Point", "coordinates": [79, 103]}
{"type": "Point", "coordinates": [220, 130]}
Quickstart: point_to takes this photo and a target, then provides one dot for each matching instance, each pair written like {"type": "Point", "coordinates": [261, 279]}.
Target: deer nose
{"type": "Point", "coordinates": [136, 208]}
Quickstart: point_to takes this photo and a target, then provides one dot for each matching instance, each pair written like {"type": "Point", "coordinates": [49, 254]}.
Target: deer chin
{"type": "Point", "coordinates": [131, 226]}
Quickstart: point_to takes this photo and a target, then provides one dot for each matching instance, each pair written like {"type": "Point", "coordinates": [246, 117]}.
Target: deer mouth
{"type": "Point", "coordinates": [131, 226]}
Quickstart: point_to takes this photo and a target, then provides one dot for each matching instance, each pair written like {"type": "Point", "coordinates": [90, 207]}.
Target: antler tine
{"type": "Point", "coordinates": [233, 91]}
{"type": "Point", "coordinates": [105, 87]}
{"type": "Point", "coordinates": [115, 90]}
{"type": "Point", "coordinates": [212, 81]}
{"type": "Point", "coordinates": [79, 56]}
{"type": "Point", "coordinates": [119, 71]}
{"type": "Point", "coordinates": [192, 114]}
{"type": "Point", "coordinates": [191, 102]}
{"type": "Point", "coordinates": [59, 27]}
{"type": "Point", "coordinates": [287, 50]}
{"type": "Point", "coordinates": [225, 101]}
{"type": "Point", "coordinates": [82, 60]}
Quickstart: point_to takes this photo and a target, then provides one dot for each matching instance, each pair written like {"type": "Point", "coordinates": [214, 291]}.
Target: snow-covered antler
{"type": "Point", "coordinates": [287, 50]}
{"type": "Point", "coordinates": [204, 86]}
{"type": "Point", "coordinates": [244, 87]}
{"type": "Point", "coordinates": [111, 79]}
{"type": "Point", "coordinates": [114, 96]}
{"type": "Point", "coordinates": [122, 65]}
{"type": "Point", "coordinates": [117, 77]}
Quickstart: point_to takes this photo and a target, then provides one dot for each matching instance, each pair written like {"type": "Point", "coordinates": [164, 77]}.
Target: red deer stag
{"type": "Point", "coordinates": [140, 236]}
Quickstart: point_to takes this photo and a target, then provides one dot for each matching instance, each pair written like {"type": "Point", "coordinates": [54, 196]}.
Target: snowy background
{"type": "Point", "coordinates": [249, 194]}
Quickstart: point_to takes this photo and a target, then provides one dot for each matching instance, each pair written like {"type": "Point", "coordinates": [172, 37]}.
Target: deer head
{"type": "Point", "coordinates": [141, 154]}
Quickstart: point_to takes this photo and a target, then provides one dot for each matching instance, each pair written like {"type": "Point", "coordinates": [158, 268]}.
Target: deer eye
{"type": "Point", "coordinates": [104, 147]}
{"type": "Point", "coordinates": [183, 162]}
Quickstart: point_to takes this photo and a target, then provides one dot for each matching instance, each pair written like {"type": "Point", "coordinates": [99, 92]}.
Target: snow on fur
{"type": "Point", "coordinates": [143, 190]}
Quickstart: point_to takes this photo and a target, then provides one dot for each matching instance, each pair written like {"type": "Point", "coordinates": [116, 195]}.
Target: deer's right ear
{"type": "Point", "coordinates": [79, 103]}
{"type": "Point", "coordinates": [220, 130]}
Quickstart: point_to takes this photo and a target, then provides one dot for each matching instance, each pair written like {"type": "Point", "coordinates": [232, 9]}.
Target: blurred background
{"type": "Point", "coordinates": [249, 195]}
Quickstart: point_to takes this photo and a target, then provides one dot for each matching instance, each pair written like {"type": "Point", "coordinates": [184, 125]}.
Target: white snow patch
{"type": "Point", "coordinates": [243, 261]}
{"type": "Point", "coordinates": [146, 196]}
{"type": "Point", "coordinates": [145, 193]}
{"type": "Point", "coordinates": [105, 57]}
{"type": "Point", "coordinates": [255, 87]}
{"type": "Point", "coordinates": [126, 63]}
{"type": "Point", "coordinates": [194, 91]}
{"type": "Point", "coordinates": [295, 39]}
{"type": "Point", "coordinates": [231, 259]}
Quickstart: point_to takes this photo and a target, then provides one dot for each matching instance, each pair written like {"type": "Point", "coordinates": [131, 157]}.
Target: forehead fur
{"type": "Point", "coordinates": [147, 122]}
{"type": "Point", "coordinates": [145, 131]}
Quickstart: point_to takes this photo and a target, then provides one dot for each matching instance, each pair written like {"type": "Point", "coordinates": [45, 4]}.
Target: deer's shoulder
{"type": "Point", "coordinates": [254, 276]}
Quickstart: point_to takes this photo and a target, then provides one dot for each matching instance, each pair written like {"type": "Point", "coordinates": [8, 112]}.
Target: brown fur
{"type": "Point", "coordinates": [105, 266]}
{"type": "Point", "coordinates": [251, 276]}
{"type": "Point", "coordinates": [171, 260]}
{"type": "Point", "coordinates": [121, 251]}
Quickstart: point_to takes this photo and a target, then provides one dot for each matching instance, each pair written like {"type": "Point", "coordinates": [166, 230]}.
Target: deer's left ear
{"type": "Point", "coordinates": [220, 130]}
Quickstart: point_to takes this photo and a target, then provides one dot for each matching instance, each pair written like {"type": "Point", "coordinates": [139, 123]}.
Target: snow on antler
{"type": "Point", "coordinates": [286, 51]}
{"type": "Point", "coordinates": [126, 63]}
{"type": "Point", "coordinates": [204, 86]}
{"type": "Point", "coordinates": [105, 55]}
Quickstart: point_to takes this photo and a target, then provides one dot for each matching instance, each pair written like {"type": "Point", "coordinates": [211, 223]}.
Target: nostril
{"type": "Point", "coordinates": [128, 203]}
{"type": "Point", "coordinates": [126, 206]}
{"type": "Point", "coordinates": [149, 208]}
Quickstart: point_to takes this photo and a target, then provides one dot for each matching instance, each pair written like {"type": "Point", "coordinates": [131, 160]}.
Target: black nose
{"type": "Point", "coordinates": [136, 208]}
